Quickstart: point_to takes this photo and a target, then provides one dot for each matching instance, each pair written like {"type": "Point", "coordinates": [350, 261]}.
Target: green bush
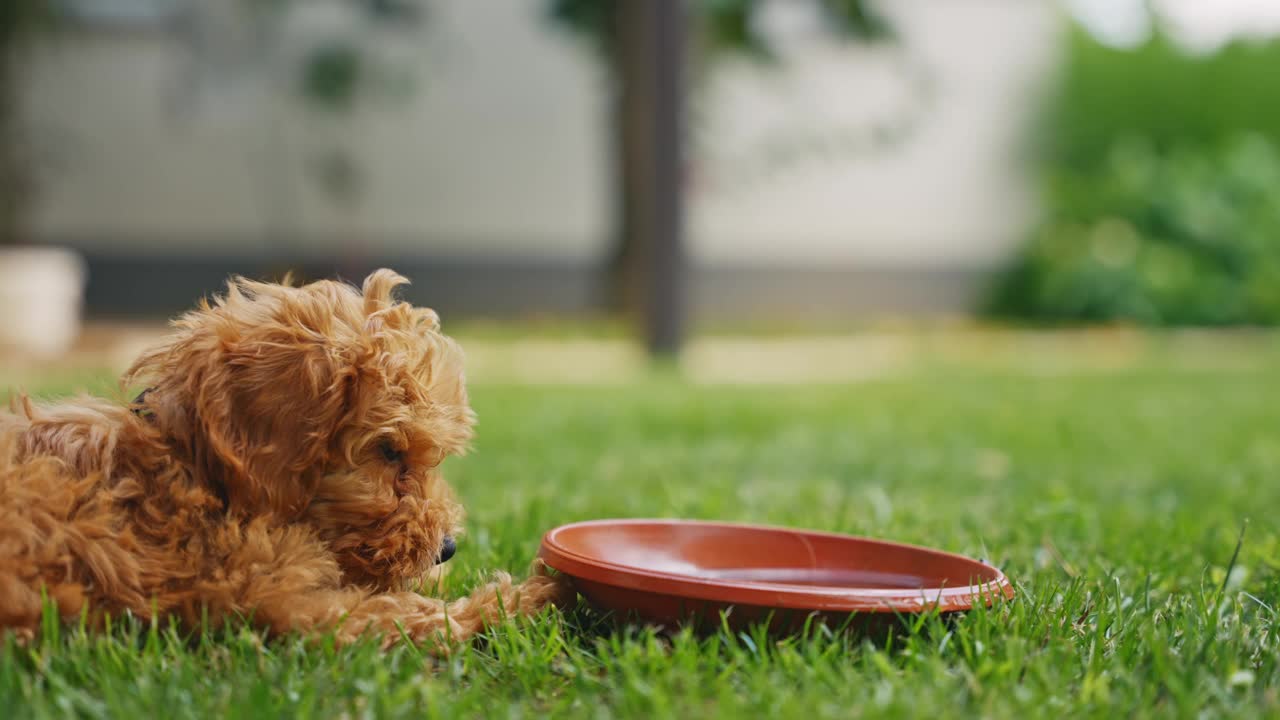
{"type": "Point", "coordinates": [1161, 191]}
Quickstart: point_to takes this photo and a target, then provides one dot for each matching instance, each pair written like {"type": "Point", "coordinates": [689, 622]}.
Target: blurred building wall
{"type": "Point", "coordinates": [806, 191]}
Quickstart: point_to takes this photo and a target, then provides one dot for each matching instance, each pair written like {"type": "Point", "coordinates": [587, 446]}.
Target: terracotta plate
{"type": "Point", "coordinates": [671, 571]}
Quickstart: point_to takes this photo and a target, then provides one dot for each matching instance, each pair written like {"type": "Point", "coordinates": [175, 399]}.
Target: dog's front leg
{"type": "Point", "coordinates": [403, 615]}
{"type": "Point", "coordinates": [502, 599]}
{"type": "Point", "coordinates": [287, 581]}
{"type": "Point", "coordinates": [351, 613]}
{"type": "Point", "coordinates": [432, 622]}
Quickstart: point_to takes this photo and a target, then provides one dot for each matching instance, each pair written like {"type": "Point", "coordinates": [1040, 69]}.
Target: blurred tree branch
{"type": "Point", "coordinates": [717, 28]}
{"type": "Point", "coordinates": [329, 69]}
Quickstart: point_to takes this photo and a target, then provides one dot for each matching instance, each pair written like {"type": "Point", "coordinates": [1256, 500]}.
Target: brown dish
{"type": "Point", "coordinates": [676, 571]}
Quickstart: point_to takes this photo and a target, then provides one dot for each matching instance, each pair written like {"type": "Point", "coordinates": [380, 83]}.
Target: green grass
{"type": "Point", "coordinates": [1113, 500]}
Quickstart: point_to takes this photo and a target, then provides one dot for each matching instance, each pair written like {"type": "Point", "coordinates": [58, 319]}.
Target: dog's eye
{"type": "Point", "coordinates": [391, 454]}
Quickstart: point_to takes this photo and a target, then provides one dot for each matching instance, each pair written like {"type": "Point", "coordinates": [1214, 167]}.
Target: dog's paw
{"type": "Point", "coordinates": [550, 586]}
{"type": "Point", "coordinates": [22, 637]}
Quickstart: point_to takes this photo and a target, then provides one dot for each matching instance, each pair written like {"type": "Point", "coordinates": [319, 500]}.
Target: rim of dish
{"type": "Point", "coordinates": [775, 594]}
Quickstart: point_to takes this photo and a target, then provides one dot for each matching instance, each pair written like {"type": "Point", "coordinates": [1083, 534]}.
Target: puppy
{"type": "Point", "coordinates": [282, 466]}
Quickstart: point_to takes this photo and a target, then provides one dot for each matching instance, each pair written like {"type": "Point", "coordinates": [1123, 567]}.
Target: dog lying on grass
{"type": "Point", "coordinates": [281, 466]}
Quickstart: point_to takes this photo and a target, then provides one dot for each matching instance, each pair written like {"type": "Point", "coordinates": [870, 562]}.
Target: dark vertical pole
{"type": "Point", "coordinates": [626, 61]}
{"type": "Point", "coordinates": [653, 51]}
{"type": "Point", "coordinates": [666, 301]}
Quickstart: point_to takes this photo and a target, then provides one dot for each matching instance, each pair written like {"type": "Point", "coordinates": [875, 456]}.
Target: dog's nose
{"type": "Point", "coordinates": [447, 549]}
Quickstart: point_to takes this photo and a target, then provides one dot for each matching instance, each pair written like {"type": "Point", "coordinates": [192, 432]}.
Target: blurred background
{"type": "Point", "coordinates": [646, 173]}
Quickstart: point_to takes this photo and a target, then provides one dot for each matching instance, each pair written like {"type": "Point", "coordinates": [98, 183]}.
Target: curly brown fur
{"type": "Point", "coordinates": [282, 466]}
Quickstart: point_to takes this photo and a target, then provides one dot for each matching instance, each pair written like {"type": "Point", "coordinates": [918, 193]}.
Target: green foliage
{"type": "Point", "coordinates": [334, 72]}
{"type": "Point", "coordinates": [725, 26]}
{"type": "Point", "coordinates": [1160, 177]}
{"type": "Point", "coordinates": [19, 18]}
{"type": "Point", "coordinates": [331, 76]}
{"type": "Point", "coordinates": [1116, 512]}
{"type": "Point", "coordinates": [1159, 92]}
{"type": "Point", "coordinates": [338, 72]}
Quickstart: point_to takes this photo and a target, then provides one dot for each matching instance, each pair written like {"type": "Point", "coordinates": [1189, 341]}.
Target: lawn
{"type": "Point", "coordinates": [1114, 499]}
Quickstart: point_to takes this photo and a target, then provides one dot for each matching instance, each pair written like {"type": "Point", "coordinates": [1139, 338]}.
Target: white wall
{"type": "Point", "coordinates": [503, 147]}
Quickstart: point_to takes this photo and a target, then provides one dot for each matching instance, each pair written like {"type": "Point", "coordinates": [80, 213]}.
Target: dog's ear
{"type": "Point", "coordinates": [432, 367]}
{"type": "Point", "coordinates": [252, 389]}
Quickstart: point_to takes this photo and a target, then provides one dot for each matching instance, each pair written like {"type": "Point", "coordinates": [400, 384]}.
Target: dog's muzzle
{"type": "Point", "coordinates": [447, 550]}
